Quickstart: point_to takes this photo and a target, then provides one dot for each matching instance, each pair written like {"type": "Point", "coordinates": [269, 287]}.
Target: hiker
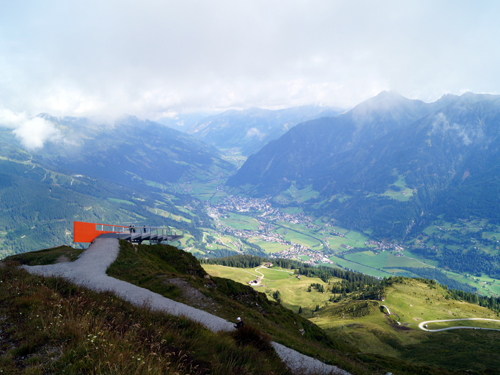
{"type": "Point", "coordinates": [133, 228]}
{"type": "Point", "coordinates": [239, 323]}
{"type": "Point", "coordinates": [144, 229]}
{"type": "Point", "coordinates": [130, 228]}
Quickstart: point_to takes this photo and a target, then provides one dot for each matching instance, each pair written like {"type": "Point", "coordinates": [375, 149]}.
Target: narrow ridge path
{"type": "Point", "coordinates": [89, 270]}
{"type": "Point", "coordinates": [422, 324]}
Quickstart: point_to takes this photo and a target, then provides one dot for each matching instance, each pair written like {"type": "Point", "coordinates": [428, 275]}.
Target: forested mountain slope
{"type": "Point", "coordinates": [388, 162]}
{"type": "Point", "coordinates": [131, 151]}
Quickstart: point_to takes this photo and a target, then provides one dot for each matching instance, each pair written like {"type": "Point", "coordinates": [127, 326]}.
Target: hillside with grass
{"type": "Point", "coordinates": [358, 319]}
{"type": "Point", "coordinates": [49, 325]}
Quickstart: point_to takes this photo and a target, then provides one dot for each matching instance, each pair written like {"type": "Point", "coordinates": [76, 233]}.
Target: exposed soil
{"type": "Point", "coordinates": [193, 295]}
{"type": "Point", "coordinates": [63, 259]}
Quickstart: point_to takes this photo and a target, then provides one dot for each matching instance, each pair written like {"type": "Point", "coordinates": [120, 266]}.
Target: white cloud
{"type": "Point", "coordinates": [32, 132]}
{"type": "Point", "coordinates": [466, 133]}
{"type": "Point", "coordinates": [254, 132]}
{"type": "Point", "coordinates": [146, 58]}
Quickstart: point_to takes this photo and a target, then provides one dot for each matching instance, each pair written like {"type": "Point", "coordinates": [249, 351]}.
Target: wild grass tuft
{"type": "Point", "coordinates": [248, 335]}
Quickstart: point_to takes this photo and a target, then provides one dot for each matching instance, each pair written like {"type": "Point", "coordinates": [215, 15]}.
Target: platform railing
{"type": "Point", "coordinates": [161, 231]}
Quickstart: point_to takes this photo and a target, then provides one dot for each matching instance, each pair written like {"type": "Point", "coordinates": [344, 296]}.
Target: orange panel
{"type": "Point", "coordinates": [87, 232]}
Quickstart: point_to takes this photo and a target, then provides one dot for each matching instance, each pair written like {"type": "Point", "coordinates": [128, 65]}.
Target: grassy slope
{"type": "Point", "coordinates": [83, 320]}
{"type": "Point", "coordinates": [293, 292]}
{"type": "Point", "coordinates": [362, 324]}
{"type": "Point", "coordinates": [47, 256]}
{"type": "Point", "coordinates": [153, 267]}
{"type": "Point", "coordinates": [414, 302]}
{"type": "Point", "coordinates": [51, 326]}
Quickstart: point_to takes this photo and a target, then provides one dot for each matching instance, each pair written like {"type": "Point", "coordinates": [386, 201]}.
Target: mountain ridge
{"type": "Point", "coordinates": [363, 152]}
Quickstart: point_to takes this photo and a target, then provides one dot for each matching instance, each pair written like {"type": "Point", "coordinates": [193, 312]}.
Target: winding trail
{"type": "Point", "coordinates": [89, 270]}
{"type": "Point", "coordinates": [422, 324]}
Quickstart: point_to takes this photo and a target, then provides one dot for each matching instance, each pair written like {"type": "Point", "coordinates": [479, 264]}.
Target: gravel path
{"type": "Point", "coordinates": [89, 270]}
{"type": "Point", "coordinates": [421, 325]}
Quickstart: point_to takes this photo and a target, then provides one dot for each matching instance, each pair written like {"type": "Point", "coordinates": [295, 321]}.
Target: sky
{"type": "Point", "coordinates": [155, 59]}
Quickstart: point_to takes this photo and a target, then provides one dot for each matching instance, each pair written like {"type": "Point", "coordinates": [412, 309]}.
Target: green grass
{"type": "Point", "coordinates": [404, 194]}
{"type": "Point", "coordinates": [52, 326]}
{"type": "Point", "coordinates": [393, 261]}
{"type": "Point", "coordinates": [295, 195]}
{"type": "Point", "coordinates": [357, 267]}
{"type": "Point", "coordinates": [361, 324]}
{"type": "Point", "coordinates": [48, 256]}
{"type": "Point", "coordinates": [414, 302]}
{"type": "Point", "coordinates": [241, 275]}
{"type": "Point", "coordinates": [299, 238]}
{"type": "Point", "coordinates": [269, 247]}
{"type": "Point", "coordinates": [369, 258]}
{"type": "Point", "coordinates": [152, 267]}
{"type": "Point", "coordinates": [237, 221]}
{"type": "Point", "coordinates": [293, 291]}
{"type": "Point", "coordinates": [121, 201]}
{"type": "Point", "coordinates": [168, 215]}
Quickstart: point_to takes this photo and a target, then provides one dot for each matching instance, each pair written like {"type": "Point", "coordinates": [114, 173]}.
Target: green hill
{"type": "Point", "coordinates": [38, 205]}
{"type": "Point", "coordinates": [53, 326]}
{"type": "Point", "coordinates": [361, 322]}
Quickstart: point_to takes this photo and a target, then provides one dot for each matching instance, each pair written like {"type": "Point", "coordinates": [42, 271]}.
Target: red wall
{"type": "Point", "coordinates": [86, 232]}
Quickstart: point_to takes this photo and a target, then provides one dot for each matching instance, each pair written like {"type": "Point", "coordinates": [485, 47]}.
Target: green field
{"type": "Point", "coordinates": [404, 194]}
{"type": "Point", "coordinates": [415, 302]}
{"type": "Point", "coordinates": [185, 210]}
{"type": "Point", "coordinates": [241, 275]}
{"type": "Point", "coordinates": [295, 195]}
{"type": "Point", "coordinates": [167, 214]}
{"type": "Point", "coordinates": [369, 258]}
{"type": "Point", "coordinates": [299, 238]}
{"type": "Point", "coordinates": [393, 261]}
{"type": "Point", "coordinates": [233, 156]}
{"type": "Point", "coordinates": [237, 221]}
{"type": "Point", "coordinates": [357, 267]}
{"type": "Point", "coordinates": [293, 291]}
{"type": "Point", "coordinates": [121, 201]}
{"type": "Point", "coordinates": [269, 247]}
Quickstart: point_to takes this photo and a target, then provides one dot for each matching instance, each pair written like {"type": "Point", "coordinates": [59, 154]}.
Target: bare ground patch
{"type": "Point", "coordinates": [194, 297]}
{"type": "Point", "coordinates": [63, 259]}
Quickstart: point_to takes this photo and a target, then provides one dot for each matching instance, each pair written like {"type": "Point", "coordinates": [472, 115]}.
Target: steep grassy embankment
{"type": "Point", "coordinates": [49, 325]}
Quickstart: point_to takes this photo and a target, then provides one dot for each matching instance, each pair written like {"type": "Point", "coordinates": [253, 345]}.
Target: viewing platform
{"type": "Point", "coordinates": [87, 232]}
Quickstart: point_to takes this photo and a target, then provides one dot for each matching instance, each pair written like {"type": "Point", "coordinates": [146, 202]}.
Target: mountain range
{"type": "Point", "coordinates": [99, 173]}
{"type": "Point", "coordinates": [251, 129]}
{"type": "Point", "coordinates": [131, 150]}
{"type": "Point", "coordinates": [388, 162]}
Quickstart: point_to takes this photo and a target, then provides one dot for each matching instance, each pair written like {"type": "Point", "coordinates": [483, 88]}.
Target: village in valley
{"type": "Point", "coordinates": [271, 226]}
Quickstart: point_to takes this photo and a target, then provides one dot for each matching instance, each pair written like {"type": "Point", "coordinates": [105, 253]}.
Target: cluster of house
{"type": "Point", "coordinates": [233, 203]}
{"type": "Point", "coordinates": [297, 250]}
{"type": "Point", "coordinates": [383, 246]}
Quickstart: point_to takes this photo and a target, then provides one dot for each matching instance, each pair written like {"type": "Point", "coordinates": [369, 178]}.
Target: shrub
{"type": "Point", "coordinates": [248, 335]}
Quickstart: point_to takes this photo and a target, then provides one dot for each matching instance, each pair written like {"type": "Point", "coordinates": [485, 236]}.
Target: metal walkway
{"type": "Point", "coordinates": [140, 237]}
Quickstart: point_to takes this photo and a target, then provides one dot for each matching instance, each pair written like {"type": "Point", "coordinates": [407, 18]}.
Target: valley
{"type": "Point", "coordinates": [260, 226]}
